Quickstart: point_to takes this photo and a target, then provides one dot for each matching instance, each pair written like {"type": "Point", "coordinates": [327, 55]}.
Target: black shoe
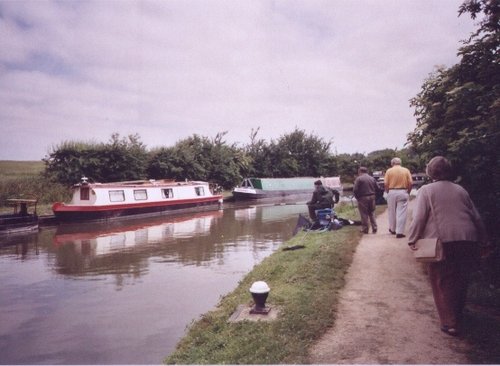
{"type": "Point", "coordinates": [392, 232]}
{"type": "Point", "coordinates": [450, 331]}
{"type": "Point", "coordinates": [399, 236]}
{"type": "Point", "coordinates": [364, 231]}
{"type": "Point", "coordinates": [374, 231]}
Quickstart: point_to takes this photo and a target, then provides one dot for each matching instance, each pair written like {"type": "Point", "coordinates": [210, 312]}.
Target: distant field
{"type": "Point", "coordinates": [11, 169]}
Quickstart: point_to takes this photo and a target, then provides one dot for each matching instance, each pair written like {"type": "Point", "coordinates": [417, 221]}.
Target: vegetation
{"type": "Point", "coordinates": [214, 160]}
{"type": "Point", "coordinates": [120, 159]}
{"type": "Point", "coordinates": [25, 179]}
{"type": "Point", "coordinates": [303, 285]}
{"type": "Point", "coordinates": [458, 116]}
{"type": "Point", "coordinates": [16, 169]}
{"type": "Point", "coordinates": [199, 158]}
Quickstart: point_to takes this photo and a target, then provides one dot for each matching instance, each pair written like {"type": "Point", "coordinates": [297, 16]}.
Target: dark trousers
{"type": "Point", "coordinates": [449, 280]}
{"type": "Point", "coordinates": [366, 207]}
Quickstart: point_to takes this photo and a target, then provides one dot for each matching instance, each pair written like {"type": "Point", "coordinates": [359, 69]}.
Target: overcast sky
{"type": "Point", "coordinates": [342, 70]}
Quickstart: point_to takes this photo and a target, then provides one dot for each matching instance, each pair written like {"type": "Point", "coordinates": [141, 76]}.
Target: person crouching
{"type": "Point", "coordinates": [321, 198]}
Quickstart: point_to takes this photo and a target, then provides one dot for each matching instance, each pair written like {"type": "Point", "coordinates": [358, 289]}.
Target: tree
{"type": "Point", "coordinates": [199, 158]}
{"type": "Point", "coordinates": [258, 153]}
{"type": "Point", "coordinates": [458, 112]}
{"type": "Point", "coordinates": [118, 160]}
{"type": "Point", "coordinates": [293, 154]}
{"type": "Point", "coordinates": [379, 160]}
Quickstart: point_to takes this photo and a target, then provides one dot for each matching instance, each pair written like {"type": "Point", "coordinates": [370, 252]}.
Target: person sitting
{"type": "Point", "coordinates": [321, 198]}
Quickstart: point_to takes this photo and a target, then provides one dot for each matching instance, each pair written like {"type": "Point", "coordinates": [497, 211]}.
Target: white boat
{"type": "Point", "coordinates": [256, 188]}
{"type": "Point", "coordinates": [107, 201]}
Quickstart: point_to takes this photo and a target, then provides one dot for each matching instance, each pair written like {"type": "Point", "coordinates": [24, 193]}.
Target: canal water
{"type": "Point", "coordinates": [124, 292]}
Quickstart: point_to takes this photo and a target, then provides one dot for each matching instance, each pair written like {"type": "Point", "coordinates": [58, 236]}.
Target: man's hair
{"type": "Point", "coordinates": [318, 183]}
{"type": "Point", "coordinates": [362, 169]}
{"type": "Point", "coordinates": [396, 161]}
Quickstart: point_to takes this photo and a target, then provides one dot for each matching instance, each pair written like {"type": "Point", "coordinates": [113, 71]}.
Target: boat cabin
{"type": "Point", "coordinates": [21, 206]}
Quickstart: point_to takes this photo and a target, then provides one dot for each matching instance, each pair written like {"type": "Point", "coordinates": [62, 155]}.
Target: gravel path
{"type": "Point", "coordinates": [386, 313]}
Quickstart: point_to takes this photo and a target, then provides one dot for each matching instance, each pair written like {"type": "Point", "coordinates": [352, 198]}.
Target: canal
{"type": "Point", "coordinates": [124, 292]}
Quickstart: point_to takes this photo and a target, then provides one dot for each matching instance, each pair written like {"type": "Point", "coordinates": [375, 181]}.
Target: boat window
{"type": "Point", "coordinates": [167, 193]}
{"type": "Point", "coordinates": [116, 196]}
{"type": "Point", "coordinates": [140, 194]}
{"type": "Point", "coordinates": [84, 193]}
{"type": "Point", "coordinates": [199, 191]}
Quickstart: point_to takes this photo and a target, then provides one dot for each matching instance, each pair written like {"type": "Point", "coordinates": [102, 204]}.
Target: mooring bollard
{"type": "Point", "coordinates": [260, 291]}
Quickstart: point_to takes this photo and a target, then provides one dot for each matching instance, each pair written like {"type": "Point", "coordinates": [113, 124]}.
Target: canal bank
{"type": "Point", "coordinates": [345, 298]}
{"type": "Point", "coordinates": [304, 287]}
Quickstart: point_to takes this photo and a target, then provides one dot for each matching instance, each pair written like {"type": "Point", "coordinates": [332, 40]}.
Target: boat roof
{"type": "Point", "coordinates": [293, 183]}
{"type": "Point", "coordinates": [141, 183]}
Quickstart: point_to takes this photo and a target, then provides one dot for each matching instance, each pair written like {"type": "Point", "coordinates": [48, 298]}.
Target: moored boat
{"type": "Point", "coordinates": [21, 220]}
{"type": "Point", "coordinates": [107, 201]}
{"type": "Point", "coordinates": [257, 188]}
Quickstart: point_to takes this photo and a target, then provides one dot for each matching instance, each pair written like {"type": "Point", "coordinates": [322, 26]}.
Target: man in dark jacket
{"type": "Point", "coordinates": [321, 198]}
{"type": "Point", "coordinates": [365, 188]}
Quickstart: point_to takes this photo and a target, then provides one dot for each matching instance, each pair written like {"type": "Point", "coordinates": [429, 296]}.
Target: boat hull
{"type": "Point", "coordinates": [258, 188]}
{"type": "Point", "coordinates": [68, 213]}
{"type": "Point", "coordinates": [253, 194]}
{"type": "Point", "coordinates": [16, 224]}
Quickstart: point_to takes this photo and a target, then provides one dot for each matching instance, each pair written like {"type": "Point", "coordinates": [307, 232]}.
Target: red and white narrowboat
{"type": "Point", "coordinates": [107, 201]}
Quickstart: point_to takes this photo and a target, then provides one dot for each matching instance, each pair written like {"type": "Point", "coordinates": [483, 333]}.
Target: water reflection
{"type": "Point", "coordinates": [20, 246]}
{"type": "Point", "coordinates": [124, 292]}
{"type": "Point", "coordinates": [120, 248]}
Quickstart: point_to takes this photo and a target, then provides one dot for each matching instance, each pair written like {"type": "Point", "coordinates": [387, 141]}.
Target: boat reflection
{"type": "Point", "coordinates": [20, 246]}
{"type": "Point", "coordinates": [126, 247]}
{"type": "Point", "coordinates": [245, 214]}
{"type": "Point", "coordinates": [92, 239]}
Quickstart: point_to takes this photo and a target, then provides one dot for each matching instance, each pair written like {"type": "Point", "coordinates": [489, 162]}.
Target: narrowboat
{"type": "Point", "coordinates": [21, 220]}
{"type": "Point", "coordinates": [108, 201]}
{"type": "Point", "coordinates": [257, 188]}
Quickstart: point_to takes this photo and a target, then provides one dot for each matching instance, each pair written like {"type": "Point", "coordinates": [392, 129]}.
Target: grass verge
{"type": "Point", "coordinates": [24, 179]}
{"type": "Point", "coordinates": [11, 169]}
{"type": "Point", "coordinates": [304, 286]}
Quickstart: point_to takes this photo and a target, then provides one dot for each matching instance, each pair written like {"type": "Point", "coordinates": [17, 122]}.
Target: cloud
{"type": "Point", "coordinates": [167, 69]}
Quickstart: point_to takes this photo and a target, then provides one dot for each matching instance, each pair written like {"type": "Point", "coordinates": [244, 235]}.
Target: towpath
{"type": "Point", "coordinates": [386, 313]}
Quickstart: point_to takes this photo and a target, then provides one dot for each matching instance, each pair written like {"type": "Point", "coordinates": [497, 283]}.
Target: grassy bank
{"type": "Point", "coordinates": [304, 285]}
{"type": "Point", "coordinates": [10, 169]}
{"type": "Point", "coordinates": [24, 179]}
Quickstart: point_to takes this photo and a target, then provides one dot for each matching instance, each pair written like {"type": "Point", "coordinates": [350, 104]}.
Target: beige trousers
{"type": "Point", "coordinates": [397, 204]}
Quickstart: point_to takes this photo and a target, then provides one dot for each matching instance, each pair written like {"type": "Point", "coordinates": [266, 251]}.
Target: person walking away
{"type": "Point", "coordinates": [365, 189]}
{"type": "Point", "coordinates": [321, 198]}
{"type": "Point", "coordinates": [397, 184]}
{"type": "Point", "coordinates": [455, 220]}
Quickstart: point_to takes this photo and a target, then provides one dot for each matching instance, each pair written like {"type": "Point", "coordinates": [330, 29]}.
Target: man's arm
{"type": "Point", "coordinates": [387, 178]}
{"type": "Point", "coordinates": [355, 188]}
{"type": "Point", "coordinates": [410, 182]}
